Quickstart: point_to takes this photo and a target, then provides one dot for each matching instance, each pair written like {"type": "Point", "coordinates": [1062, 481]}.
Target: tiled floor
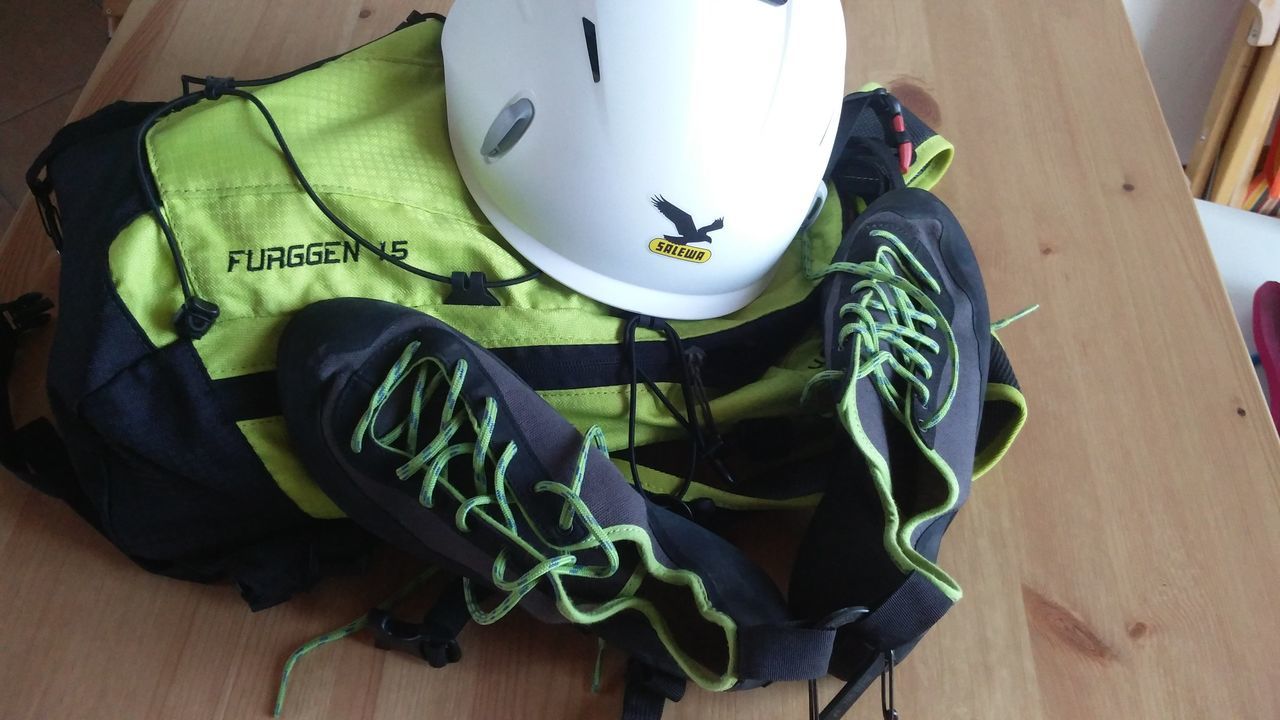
{"type": "Point", "coordinates": [47, 50]}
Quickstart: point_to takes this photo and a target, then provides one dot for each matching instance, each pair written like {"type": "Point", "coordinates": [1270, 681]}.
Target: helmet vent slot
{"type": "Point", "coordinates": [507, 129]}
{"type": "Point", "coordinates": [593, 50]}
{"type": "Point", "coordinates": [819, 200]}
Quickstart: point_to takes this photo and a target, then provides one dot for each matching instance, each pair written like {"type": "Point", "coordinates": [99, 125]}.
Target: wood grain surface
{"type": "Point", "coordinates": [1121, 563]}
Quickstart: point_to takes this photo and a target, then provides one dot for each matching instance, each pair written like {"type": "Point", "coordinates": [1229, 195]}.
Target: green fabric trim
{"type": "Point", "coordinates": [933, 159]}
{"type": "Point", "coordinates": [703, 676]}
{"type": "Point", "coordinates": [993, 453]}
{"type": "Point", "coordinates": [270, 440]}
{"type": "Point", "coordinates": [936, 574]}
{"type": "Point", "coordinates": [879, 470]}
{"type": "Point", "coordinates": [145, 278]}
{"type": "Point", "coordinates": [897, 535]}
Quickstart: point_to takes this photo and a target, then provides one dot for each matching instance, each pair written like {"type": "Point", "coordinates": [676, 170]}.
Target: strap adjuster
{"type": "Point", "coordinates": [471, 289]}
{"type": "Point", "coordinates": [390, 633]}
{"type": "Point", "coordinates": [24, 314]}
{"type": "Point", "coordinates": [889, 109]}
{"type": "Point", "coordinates": [213, 87]}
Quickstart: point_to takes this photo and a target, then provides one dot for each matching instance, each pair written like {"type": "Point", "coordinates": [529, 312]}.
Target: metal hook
{"type": "Point", "coordinates": [886, 688]}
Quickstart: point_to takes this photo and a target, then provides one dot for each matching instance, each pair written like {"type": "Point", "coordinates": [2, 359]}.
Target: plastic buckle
{"type": "Point", "coordinates": [889, 109]}
{"type": "Point", "coordinates": [656, 681]}
{"type": "Point", "coordinates": [390, 633]}
{"type": "Point", "coordinates": [472, 289]}
{"type": "Point", "coordinates": [24, 314]}
{"type": "Point", "coordinates": [50, 219]}
{"type": "Point", "coordinates": [194, 318]}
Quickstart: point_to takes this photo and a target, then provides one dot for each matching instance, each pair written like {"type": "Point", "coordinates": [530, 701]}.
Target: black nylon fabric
{"type": "Point", "coordinates": [1001, 369]}
{"type": "Point", "coordinates": [775, 652]}
{"type": "Point", "coordinates": [648, 691]}
{"type": "Point", "coordinates": [915, 607]}
{"type": "Point", "coordinates": [160, 468]}
{"type": "Point", "coordinates": [178, 477]}
{"type": "Point", "coordinates": [897, 625]}
{"type": "Point", "coordinates": [98, 197]}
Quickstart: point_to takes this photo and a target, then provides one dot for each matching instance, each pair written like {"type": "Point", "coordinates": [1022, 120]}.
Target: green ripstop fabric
{"type": "Point", "coordinates": [369, 131]}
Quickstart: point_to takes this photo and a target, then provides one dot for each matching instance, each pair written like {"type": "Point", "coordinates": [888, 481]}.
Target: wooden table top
{"type": "Point", "coordinates": [1122, 562]}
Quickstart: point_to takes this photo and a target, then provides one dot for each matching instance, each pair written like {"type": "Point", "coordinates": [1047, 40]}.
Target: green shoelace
{"type": "Point", "coordinates": [488, 499]}
{"type": "Point", "coordinates": [889, 319]}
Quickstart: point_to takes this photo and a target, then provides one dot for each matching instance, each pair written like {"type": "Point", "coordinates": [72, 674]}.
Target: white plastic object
{"type": "Point", "coordinates": [656, 155]}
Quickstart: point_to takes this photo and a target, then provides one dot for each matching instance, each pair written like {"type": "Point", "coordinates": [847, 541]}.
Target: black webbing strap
{"type": "Point", "coordinates": [864, 160]}
{"type": "Point", "coordinates": [769, 653]}
{"type": "Point", "coordinates": [916, 606]}
{"type": "Point", "coordinates": [852, 690]}
{"type": "Point", "coordinates": [890, 631]}
{"type": "Point", "coordinates": [112, 117]}
{"type": "Point", "coordinates": [435, 639]}
{"type": "Point", "coordinates": [33, 452]}
{"type": "Point", "coordinates": [648, 690]}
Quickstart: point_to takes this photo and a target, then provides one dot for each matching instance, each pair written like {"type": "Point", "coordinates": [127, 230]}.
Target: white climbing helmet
{"type": "Point", "coordinates": [655, 155]}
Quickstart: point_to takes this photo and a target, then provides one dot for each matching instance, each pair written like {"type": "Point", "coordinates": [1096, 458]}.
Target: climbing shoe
{"type": "Point", "coordinates": [431, 442]}
{"type": "Point", "coordinates": [908, 343]}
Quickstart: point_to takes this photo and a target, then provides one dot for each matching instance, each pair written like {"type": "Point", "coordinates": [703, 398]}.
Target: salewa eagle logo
{"type": "Point", "coordinates": [677, 246]}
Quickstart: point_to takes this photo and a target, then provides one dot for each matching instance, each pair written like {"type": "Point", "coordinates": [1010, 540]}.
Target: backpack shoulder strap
{"type": "Point", "coordinates": [112, 117]}
{"type": "Point", "coordinates": [33, 452]}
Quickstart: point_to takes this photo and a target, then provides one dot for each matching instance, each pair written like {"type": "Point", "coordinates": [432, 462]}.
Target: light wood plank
{"type": "Point", "coordinates": [1249, 131]}
{"type": "Point", "coordinates": [1222, 105]}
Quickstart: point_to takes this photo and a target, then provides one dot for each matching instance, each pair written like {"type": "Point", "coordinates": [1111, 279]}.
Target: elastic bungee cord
{"type": "Point", "coordinates": [214, 89]}
{"type": "Point", "coordinates": [704, 436]}
{"type": "Point", "coordinates": [336, 634]}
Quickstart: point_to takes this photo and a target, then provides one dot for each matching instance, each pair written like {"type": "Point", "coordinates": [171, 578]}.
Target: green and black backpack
{"type": "Point", "coordinates": [190, 232]}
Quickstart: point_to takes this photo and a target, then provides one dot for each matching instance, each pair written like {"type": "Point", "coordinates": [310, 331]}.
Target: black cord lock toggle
{"type": "Point", "coordinates": [216, 87]}
{"type": "Point", "coordinates": [390, 633]}
{"type": "Point", "coordinates": [471, 289]}
{"type": "Point", "coordinates": [194, 318]}
{"type": "Point", "coordinates": [27, 313]}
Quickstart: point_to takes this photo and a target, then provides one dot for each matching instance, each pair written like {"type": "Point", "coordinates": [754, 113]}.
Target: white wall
{"type": "Point", "coordinates": [1184, 43]}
